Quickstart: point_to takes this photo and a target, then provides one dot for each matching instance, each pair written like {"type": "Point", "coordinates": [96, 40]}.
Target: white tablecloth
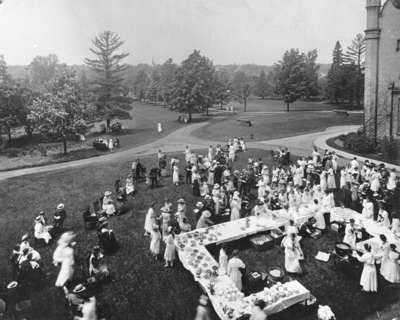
{"type": "Point", "coordinates": [227, 300]}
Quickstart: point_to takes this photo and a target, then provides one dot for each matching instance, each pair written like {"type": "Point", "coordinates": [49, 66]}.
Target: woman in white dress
{"type": "Point", "coordinates": [204, 190]}
{"type": "Point", "coordinates": [383, 217]}
{"type": "Point", "coordinates": [292, 255]}
{"type": "Point", "coordinates": [150, 220]}
{"type": "Point", "coordinates": [369, 277]}
{"type": "Point", "coordinates": [155, 241]}
{"type": "Point", "coordinates": [108, 204]}
{"type": "Point", "coordinates": [343, 178]}
{"type": "Point", "coordinates": [210, 153]}
{"type": "Point", "coordinates": [322, 180]}
{"type": "Point", "coordinates": [129, 186]}
{"type": "Point", "coordinates": [350, 234]}
{"type": "Point", "coordinates": [375, 183]}
{"type": "Point", "coordinates": [41, 231]}
{"type": "Point", "coordinates": [236, 205]}
{"type": "Point", "coordinates": [331, 183]}
{"type": "Point", "coordinates": [64, 255]}
{"type": "Point", "coordinates": [383, 254]}
{"type": "Point", "coordinates": [175, 174]}
{"type": "Point", "coordinates": [368, 208]}
{"type": "Point", "coordinates": [169, 254]}
{"type": "Point", "coordinates": [315, 156]}
{"type": "Point", "coordinates": [188, 154]}
{"type": "Point", "coordinates": [223, 261]}
{"type": "Point", "coordinates": [391, 184]}
{"type": "Point", "coordinates": [392, 272]}
{"type": "Point", "coordinates": [234, 272]}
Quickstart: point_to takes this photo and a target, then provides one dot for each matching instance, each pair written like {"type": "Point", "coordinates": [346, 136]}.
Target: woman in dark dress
{"type": "Point", "coordinates": [196, 183]}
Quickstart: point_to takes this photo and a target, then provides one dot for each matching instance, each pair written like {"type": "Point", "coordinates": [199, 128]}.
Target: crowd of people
{"type": "Point", "coordinates": [224, 192]}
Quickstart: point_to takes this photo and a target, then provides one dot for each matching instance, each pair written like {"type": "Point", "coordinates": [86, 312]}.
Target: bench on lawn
{"type": "Point", "coordinates": [248, 122]}
{"type": "Point", "coordinates": [342, 112]}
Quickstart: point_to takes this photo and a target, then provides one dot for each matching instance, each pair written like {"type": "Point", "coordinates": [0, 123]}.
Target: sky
{"type": "Point", "coordinates": [226, 31]}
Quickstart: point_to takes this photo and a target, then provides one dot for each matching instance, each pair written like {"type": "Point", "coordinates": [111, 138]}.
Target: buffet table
{"type": "Point", "coordinates": [227, 300]}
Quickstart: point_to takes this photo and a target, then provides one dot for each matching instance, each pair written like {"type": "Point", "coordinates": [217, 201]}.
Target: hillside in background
{"type": "Point", "coordinates": [130, 73]}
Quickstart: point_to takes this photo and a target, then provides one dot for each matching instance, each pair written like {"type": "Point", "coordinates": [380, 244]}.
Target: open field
{"type": "Point", "coordinates": [274, 125]}
{"type": "Point", "coordinates": [142, 288]}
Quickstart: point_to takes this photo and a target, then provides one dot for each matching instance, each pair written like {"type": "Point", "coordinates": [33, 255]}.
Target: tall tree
{"type": "Point", "coordinates": [335, 88]}
{"type": "Point", "coordinates": [141, 85]}
{"type": "Point", "coordinates": [42, 70]}
{"type": "Point", "coordinates": [241, 87]}
{"type": "Point", "coordinates": [291, 77]}
{"type": "Point", "coordinates": [311, 73]}
{"type": "Point", "coordinates": [111, 96]}
{"type": "Point", "coordinates": [193, 88]}
{"type": "Point", "coordinates": [355, 55]}
{"type": "Point", "coordinates": [168, 74]}
{"type": "Point", "coordinates": [61, 112]}
{"type": "Point", "coordinates": [262, 87]}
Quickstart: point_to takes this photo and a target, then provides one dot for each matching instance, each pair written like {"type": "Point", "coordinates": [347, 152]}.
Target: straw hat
{"type": "Point", "coordinates": [207, 213]}
{"type": "Point", "coordinates": [107, 193]}
{"type": "Point", "coordinates": [181, 200]}
{"type": "Point", "coordinates": [199, 204]}
{"type": "Point", "coordinates": [24, 237]}
{"type": "Point", "coordinates": [79, 288]}
{"type": "Point", "coordinates": [60, 206]}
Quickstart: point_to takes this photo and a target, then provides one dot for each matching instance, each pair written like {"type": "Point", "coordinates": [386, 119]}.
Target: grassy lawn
{"type": "Point", "coordinates": [142, 288]}
{"type": "Point", "coordinates": [139, 130]}
{"type": "Point", "coordinates": [258, 105]}
{"type": "Point", "coordinates": [274, 126]}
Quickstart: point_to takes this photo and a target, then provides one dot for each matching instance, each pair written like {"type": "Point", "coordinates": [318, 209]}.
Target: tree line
{"type": "Point", "coordinates": [58, 101]}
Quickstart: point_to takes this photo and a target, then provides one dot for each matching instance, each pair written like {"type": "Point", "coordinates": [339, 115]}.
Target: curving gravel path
{"type": "Point", "coordinates": [176, 141]}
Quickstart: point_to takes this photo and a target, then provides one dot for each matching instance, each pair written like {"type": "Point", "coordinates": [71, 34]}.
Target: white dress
{"type": "Point", "coordinates": [175, 175]}
{"type": "Point", "coordinates": [223, 261]}
{"type": "Point", "coordinates": [375, 184]}
{"type": "Point", "coordinates": [331, 179]}
{"type": "Point", "coordinates": [108, 206]}
{"type": "Point", "coordinates": [392, 270]}
{"type": "Point", "coordinates": [234, 266]}
{"type": "Point", "coordinates": [236, 205]}
{"type": "Point", "coordinates": [129, 186]}
{"type": "Point", "coordinates": [155, 242]}
{"type": "Point", "coordinates": [342, 178]}
{"type": "Point", "coordinates": [149, 221]}
{"type": "Point", "coordinates": [292, 256]}
{"type": "Point", "coordinates": [65, 256]}
{"type": "Point", "coordinates": [88, 310]}
{"type": "Point", "coordinates": [40, 232]}
{"type": "Point", "coordinates": [322, 181]}
{"type": "Point", "coordinates": [391, 184]}
{"type": "Point", "coordinates": [368, 209]}
{"type": "Point", "coordinates": [169, 254]}
{"type": "Point", "coordinates": [383, 218]}
{"type": "Point", "coordinates": [350, 236]}
{"type": "Point", "coordinates": [369, 277]}
{"type": "Point", "coordinates": [385, 249]}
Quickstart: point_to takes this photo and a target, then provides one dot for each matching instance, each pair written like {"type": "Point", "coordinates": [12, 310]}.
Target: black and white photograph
{"type": "Point", "coordinates": [200, 160]}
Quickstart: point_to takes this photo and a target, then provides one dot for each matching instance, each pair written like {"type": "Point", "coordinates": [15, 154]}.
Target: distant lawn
{"type": "Point", "coordinates": [274, 126]}
{"type": "Point", "coordinates": [262, 105]}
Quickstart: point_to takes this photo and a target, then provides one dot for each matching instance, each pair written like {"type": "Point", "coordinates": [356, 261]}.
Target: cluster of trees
{"type": "Point", "coordinates": [345, 78]}
{"type": "Point", "coordinates": [57, 102]}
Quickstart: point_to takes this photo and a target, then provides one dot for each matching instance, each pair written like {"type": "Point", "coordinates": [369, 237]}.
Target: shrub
{"type": "Point", "coordinates": [359, 143]}
{"type": "Point", "coordinates": [116, 127]}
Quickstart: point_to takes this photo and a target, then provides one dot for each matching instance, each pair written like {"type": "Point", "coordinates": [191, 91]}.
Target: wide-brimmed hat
{"type": "Point", "coordinates": [207, 213]}
{"type": "Point", "coordinates": [60, 206]}
{"type": "Point", "coordinates": [181, 200]}
{"type": "Point", "coordinates": [199, 204]}
{"type": "Point", "coordinates": [216, 186]}
{"type": "Point", "coordinates": [107, 193]}
{"type": "Point", "coordinates": [207, 197]}
{"type": "Point", "coordinates": [24, 237]}
{"type": "Point", "coordinates": [41, 213]}
{"type": "Point", "coordinates": [79, 288]}
{"type": "Point", "coordinates": [12, 285]}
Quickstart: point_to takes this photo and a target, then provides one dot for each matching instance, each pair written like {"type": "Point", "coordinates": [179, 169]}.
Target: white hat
{"type": "Point", "coordinates": [169, 229]}
{"type": "Point", "coordinates": [60, 206]}
{"type": "Point", "coordinates": [107, 193]}
{"type": "Point", "coordinates": [216, 186]}
{"type": "Point", "coordinates": [199, 204]}
{"type": "Point", "coordinates": [206, 213]}
{"type": "Point", "coordinates": [79, 288]}
{"type": "Point", "coordinates": [181, 200]}
{"type": "Point", "coordinates": [24, 237]}
{"type": "Point", "coordinates": [203, 300]}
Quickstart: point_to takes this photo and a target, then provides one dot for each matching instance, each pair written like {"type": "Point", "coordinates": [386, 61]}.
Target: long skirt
{"type": "Point", "coordinates": [392, 271]}
{"type": "Point", "coordinates": [292, 264]}
{"type": "Point", "coordinates": [369, 278]}
{"type": "Point", "coordinates": [169, 254]}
